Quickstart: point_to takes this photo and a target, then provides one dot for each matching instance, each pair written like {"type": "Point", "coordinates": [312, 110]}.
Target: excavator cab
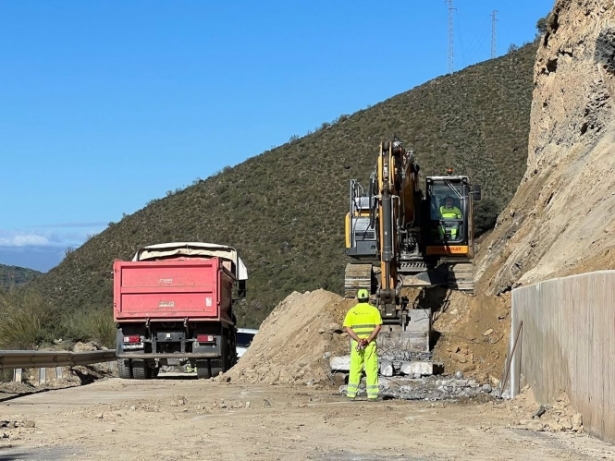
{"type": "Point", "coordinates": [449, 204]}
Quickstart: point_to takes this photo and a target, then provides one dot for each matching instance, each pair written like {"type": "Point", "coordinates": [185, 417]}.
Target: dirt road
{"type": "Point", "coordinates": [185, 419]}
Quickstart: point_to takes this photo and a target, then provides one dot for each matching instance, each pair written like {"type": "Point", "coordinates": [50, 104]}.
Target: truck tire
{"type": "Point", "coordinates": [124, 370]}
{"type": "Point", "coordinates": [140, 370]}
{"type": "Point", "coordinates": [202, 370]}
{"type": "Point", "coordinates": [155, 372]}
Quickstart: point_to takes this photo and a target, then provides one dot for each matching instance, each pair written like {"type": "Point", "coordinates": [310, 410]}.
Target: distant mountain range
{"type": "Point", "coordinates": [13, 275]}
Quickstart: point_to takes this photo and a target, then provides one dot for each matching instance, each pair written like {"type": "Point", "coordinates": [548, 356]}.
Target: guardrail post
{"type": "Point", "coordinates": [17, 375]}
{"type": "Point", "coordinates": [42, 376]}
{"type": "Point", "coordinates": [58, 372]}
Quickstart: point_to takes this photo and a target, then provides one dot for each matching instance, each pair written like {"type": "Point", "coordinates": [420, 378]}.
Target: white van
{"type": "Point", "coordinates": [244, 339]}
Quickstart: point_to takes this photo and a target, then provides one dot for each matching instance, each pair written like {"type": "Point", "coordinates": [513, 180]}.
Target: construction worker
{"type": "Point", "coordinates": [449, 211]}
{"type": "Point", "coordinates": [363, 323]}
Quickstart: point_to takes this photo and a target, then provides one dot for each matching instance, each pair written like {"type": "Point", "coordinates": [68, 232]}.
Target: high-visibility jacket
{"type": "Point", "coordinates": [363, 319]}
{"type": "Point", "coordinates": [450, 213]}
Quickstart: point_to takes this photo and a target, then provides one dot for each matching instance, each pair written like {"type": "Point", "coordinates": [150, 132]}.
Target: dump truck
{"type": "Point", "coordinates": [399, 235]}
{"type": "Point", "coordinates": [173, 306]}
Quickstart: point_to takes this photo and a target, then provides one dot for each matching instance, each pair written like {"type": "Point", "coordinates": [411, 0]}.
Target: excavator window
{"type": "Point", "coordinates": [448, 211]}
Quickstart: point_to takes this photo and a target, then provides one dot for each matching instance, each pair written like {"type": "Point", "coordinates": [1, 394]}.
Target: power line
{"type": "Point", "coordinates": [494, 20]}
{"type": "Point", "coordinates": [451, 38]}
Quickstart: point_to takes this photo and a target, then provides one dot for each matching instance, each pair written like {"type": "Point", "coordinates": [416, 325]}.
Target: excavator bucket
{"type": "Point", "coordinates": [413, 336]}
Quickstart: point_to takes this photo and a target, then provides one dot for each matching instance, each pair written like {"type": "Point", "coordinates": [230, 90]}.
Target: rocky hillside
{"type": "Point", "coordinates": [13, 275]}
{"type": "Point", "coordinates": [561, 219]}
{"type": "Point", "coordinates": [284, 209]}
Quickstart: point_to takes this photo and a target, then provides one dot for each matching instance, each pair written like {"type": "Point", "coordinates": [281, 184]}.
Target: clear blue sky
{"type": "Point", "coordinates": [105, 105]}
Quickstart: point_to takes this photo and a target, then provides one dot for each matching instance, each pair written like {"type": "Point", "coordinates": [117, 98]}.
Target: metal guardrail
{"type": "Point", "coordinates": [10, 360]}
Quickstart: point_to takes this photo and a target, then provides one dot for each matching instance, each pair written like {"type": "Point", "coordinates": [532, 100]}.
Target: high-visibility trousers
{"type": "Point", "coordinates": [368, 359]}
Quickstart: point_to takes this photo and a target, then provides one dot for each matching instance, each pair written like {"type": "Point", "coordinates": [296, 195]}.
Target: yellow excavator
{"type": "Point", "coordinates": [400, 236]}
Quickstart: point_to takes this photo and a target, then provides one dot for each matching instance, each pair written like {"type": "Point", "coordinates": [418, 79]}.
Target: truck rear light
{"type": "Point", "coordinates": [206, 339]}
{"type": "Point", "coordinates": [134, 339]}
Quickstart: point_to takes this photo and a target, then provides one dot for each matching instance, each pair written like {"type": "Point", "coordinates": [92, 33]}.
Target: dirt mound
{"type": "Point", "coordinates": [294, 342]}
{"type": "Point", "coordinates": [472, 335]}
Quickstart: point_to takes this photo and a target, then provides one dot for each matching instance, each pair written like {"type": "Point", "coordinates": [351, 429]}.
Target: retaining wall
{"type": "Point", "coordinates": [567, 344]}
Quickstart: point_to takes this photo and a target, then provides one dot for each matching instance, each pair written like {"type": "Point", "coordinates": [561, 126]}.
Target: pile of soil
{"type": "Point", "coordinates": [294, 343]}
{"type": "Point", "coordinates": [472, 335]}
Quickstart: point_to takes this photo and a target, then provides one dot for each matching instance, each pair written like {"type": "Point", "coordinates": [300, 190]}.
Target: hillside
{"type": "Point", "coordinates": [284, 209]}
{"type": "Point", "coordinates": [13, 275]}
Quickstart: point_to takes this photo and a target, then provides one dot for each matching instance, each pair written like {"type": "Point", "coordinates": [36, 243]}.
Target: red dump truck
{"type": "Point", "coordinates": [173, 305]}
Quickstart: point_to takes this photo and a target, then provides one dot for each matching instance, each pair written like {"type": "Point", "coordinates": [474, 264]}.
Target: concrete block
{"type": "Point", "coordinates": [340, 363]}
{"type": "Point", "coordinates": [416, 368]}
{"type": "Point", "coordinates": [386, 368]}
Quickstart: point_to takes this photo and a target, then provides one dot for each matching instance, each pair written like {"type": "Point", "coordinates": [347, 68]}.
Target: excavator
{"type": "Point", "coordinates": [400, 236]}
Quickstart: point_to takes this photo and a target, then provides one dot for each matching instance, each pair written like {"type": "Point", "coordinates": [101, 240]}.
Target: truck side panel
{"type": "Point", "coordinates": [170, 289]}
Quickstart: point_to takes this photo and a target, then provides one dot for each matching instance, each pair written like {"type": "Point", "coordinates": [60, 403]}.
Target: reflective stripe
{"type": "Point", "coordinates": [376, 386]}
{"type": "Point", "coordinates": [369, 325]}
{"type": "Point", "coordinates": [353, 386]}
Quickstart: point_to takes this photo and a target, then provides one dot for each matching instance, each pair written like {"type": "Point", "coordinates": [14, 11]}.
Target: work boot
{"type": "Point", "coordinates": [374, 399]}
{"type": "Point", "coordinates": [352, 399]}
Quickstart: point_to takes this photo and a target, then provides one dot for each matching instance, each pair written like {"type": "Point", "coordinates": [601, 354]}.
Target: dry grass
{"type": "Point", "coordinates": [26, 319]}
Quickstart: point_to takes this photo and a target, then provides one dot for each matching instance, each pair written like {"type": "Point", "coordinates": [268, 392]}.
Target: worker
{"type": "Point", "coordinates": [449, 211]}
{"type": "Point", "coordinates": [363, 323]}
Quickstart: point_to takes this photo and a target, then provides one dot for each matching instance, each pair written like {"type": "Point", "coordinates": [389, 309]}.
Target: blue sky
{"type": "Point", "coordinates": [105, 105]}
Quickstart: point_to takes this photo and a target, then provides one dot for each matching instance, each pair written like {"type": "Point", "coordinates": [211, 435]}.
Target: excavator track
{"type": "Point", "coordinates": [357, 276]}
{"type": "Point", "coordinates": [461, 277]}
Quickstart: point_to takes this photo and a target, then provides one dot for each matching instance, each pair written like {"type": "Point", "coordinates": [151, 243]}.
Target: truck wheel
{"type": "Point", "coordinates": [155, 372]}
{"type": "Point", "coordinates": [124, 370]}
{"type": "Point", "coordinates": [140, 370]}
{"type": "Point", "coordinates": [202, 370]}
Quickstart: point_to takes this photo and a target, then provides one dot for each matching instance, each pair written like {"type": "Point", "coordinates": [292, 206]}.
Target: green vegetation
{"type": "Point", "coordinates": [13, 275]}
{"type": "Point", "coordinates": [25, 318]}
{"type": "Point", "coordinates": [284, 209]}
{"type": "Point", "coordinates": [90, 324]}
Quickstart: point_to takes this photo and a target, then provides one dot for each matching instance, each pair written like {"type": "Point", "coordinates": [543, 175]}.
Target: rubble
{"type": "Point", "coordinates": [429, 388]}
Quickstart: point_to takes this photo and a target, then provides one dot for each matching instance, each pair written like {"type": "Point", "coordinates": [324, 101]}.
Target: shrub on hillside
{"type": "Point", "coordinates": [485, 215]}
{"type": "Point", "coordinates": [25, 319]}
{"type": "Point", "coordinates": [91, 324]}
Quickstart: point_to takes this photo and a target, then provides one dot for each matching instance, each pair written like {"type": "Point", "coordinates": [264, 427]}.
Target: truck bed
{"type": "Point", "coordinates": [173, 289]}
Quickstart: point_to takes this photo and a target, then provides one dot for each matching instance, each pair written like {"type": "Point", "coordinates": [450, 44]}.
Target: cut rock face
{"type": "Point", "coordinates": [559, 221]}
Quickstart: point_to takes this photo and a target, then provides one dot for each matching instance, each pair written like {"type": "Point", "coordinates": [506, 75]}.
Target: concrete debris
{"type": "Point", "coordinates": [428, 388]}
{"type": "Point", "coordinates": [386, 368]}
{"type": "Point", "coordinates": [416, 369]}
{"type": "Point", "coordinates": [404, 356]}
{"type": "Point", "coordinates": [340, 363]}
